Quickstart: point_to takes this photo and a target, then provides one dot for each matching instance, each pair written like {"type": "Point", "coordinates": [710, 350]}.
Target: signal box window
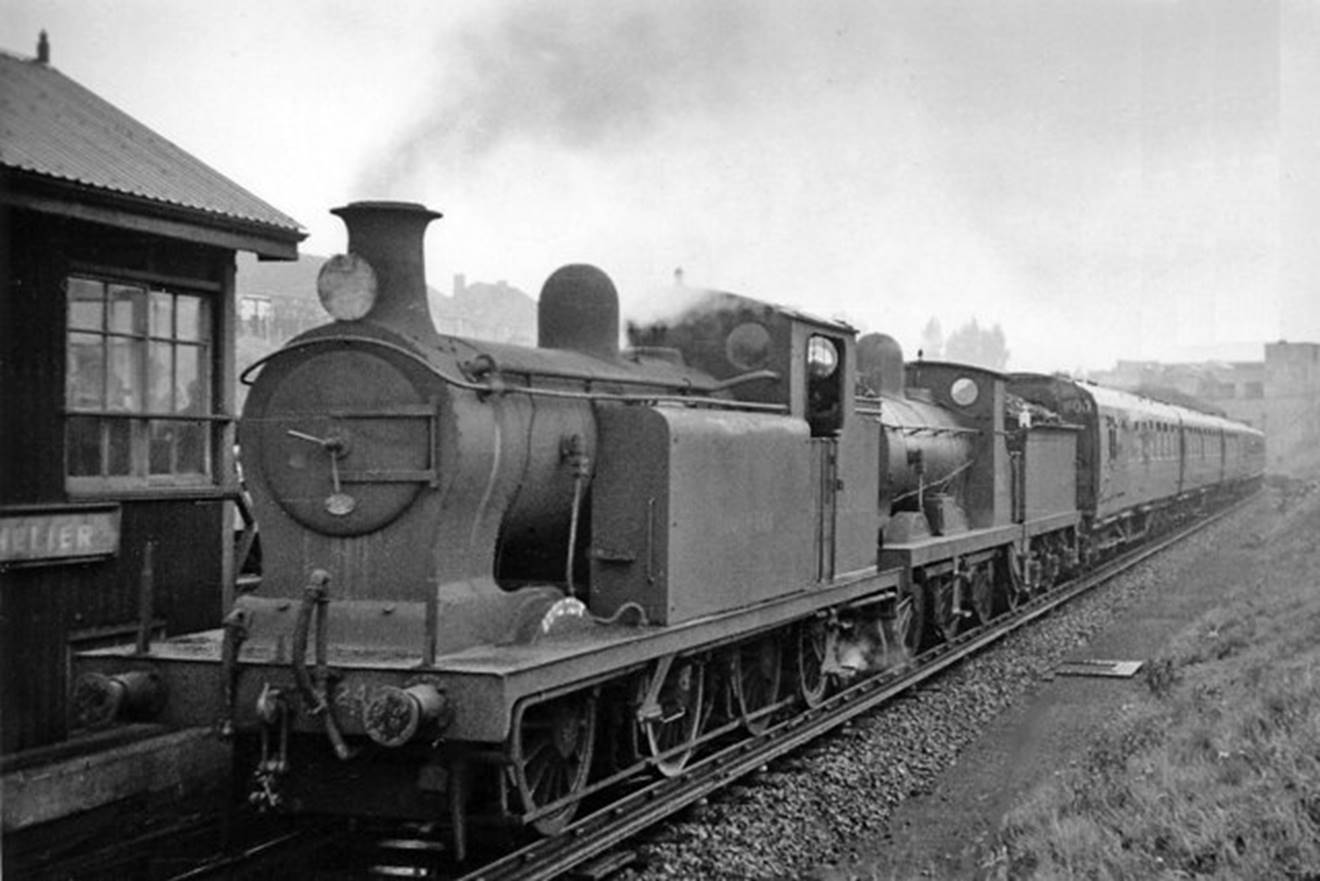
{"type": "Point", "coordinates": [138, 386]}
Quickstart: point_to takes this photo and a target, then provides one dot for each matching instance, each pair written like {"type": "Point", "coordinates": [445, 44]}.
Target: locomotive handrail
{"type": "Point", "coordinates": [500, 388]}
{"type": "Point", "coordinates": [743, 378]}
{"type": "Point", "coordinates": [161, 416]}
{"type": "Point", "coordinates": [942, 482]}
{"type": "Point", "coordinates": [545, 373]}
{"type": "Point", "coordinates": [874, 408]}
{"type": "Point", "coordinates": [915, 430]}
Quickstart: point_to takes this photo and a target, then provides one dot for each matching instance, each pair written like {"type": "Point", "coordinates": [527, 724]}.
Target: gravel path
{"type": "Point", "coordinates": [812, 811]}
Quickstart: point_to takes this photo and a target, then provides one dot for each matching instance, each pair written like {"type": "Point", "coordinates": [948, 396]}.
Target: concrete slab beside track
{"type": "Point", "coordinates": [152, 762]}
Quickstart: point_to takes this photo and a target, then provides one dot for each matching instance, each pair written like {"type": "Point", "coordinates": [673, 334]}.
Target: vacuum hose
{"type": "Point", "coordinates": [316, 599]}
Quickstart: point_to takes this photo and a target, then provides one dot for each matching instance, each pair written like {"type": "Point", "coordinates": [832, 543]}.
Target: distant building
{"type": "Point", "coordinates": [1238, 388]}
{"type": "Point", "coordinates": [256, 316]}
{"type": "Point", "coordinates": [1279, 395]}
{"type": "Point", "coordinates": [278, 301]}
{"type": "Point", "coordinates": [1234, 389]}
{"type": "Point", "coordinates": [1292, 397]}
{"type": "Point", "coordinates": [497, 312]}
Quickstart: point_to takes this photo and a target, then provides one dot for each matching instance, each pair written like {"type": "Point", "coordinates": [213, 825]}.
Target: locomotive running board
{"type": "Point", "coordinates": [505, 674]}
{"type": "Point", "coordinates": [493, 678]}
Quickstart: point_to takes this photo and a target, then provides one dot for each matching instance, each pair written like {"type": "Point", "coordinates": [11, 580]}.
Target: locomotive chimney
{"type": "Point", "coordinates": [389, 235]}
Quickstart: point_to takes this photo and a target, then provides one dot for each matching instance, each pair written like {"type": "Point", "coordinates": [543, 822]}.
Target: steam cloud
{"type": "Point", "coordinates": [581, 76]}
{"type": "Point", "coordinates": [1109, 165]}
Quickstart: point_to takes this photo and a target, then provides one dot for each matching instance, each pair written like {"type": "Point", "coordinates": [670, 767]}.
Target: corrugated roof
{"type": "Point", "coordinates": [51, 126]}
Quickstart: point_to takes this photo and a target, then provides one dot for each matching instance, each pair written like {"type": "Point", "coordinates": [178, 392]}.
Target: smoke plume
{"type": "Point", "coordinates": [580, 76]}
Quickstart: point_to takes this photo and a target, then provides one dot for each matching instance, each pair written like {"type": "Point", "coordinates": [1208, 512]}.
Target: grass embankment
{"type": "Point", "coordinates": [1215, 771]}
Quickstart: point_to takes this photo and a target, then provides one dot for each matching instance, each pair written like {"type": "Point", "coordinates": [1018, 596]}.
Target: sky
{"type": "Point", "coordinates": [1104, 179]}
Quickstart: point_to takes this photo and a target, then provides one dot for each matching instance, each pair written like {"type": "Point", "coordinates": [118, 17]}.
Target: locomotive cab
{"type": "Point", "coordinates": [774, 355]}
{"type": "Point", "coordinates": [786, 361]}
{"type": "Point", "coordinates": [975, 396]}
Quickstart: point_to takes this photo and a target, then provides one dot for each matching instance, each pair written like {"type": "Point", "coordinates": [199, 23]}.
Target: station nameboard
{"type": "Point", "coordinates": [52, 534]}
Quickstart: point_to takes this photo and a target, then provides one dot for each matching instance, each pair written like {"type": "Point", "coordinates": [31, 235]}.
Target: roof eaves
{"type": "Point", "coordinates": [292, 231]}
{"type": "Point", "coordinates": [290, 225]}
{"type": "Point", "coordinates": [160, 159]}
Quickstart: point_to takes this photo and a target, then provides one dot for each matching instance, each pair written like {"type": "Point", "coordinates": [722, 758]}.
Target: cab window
{"type": "Point", "coordinates": [825, 372]}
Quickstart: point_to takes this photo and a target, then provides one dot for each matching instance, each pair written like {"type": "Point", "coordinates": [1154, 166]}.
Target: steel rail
{"type": "Point", "coordinates": [166, 845]}
{"type": "Point", "coordinates": [610, 826]}
{"type": "Point", "coordinates": [237, 864]}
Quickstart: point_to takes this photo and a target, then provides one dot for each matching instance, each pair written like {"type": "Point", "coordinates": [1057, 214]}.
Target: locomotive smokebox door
{"type": "Point", "coordinates": [346, 442]}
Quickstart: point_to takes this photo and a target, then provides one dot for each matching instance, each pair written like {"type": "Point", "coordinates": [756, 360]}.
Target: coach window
{"type": "Point", "coordinates": [138, 386]}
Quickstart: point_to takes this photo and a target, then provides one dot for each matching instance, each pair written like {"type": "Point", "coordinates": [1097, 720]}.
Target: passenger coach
{"type": "Point", "coordinates": [1140, 460]}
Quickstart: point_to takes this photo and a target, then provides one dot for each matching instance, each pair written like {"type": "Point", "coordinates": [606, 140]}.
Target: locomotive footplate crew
{"type": "Point", "coordinates": [496, 575]}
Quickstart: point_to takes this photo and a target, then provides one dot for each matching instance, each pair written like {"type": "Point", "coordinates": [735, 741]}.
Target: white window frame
{"type": "Point", "coordinates": [150, 431]}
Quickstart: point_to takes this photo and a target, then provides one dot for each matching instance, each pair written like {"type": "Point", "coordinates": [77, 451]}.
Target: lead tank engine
{"type": "Point", "coordinates": [480, 559]}
{"type": "Point", "coordinates": [377, 455]}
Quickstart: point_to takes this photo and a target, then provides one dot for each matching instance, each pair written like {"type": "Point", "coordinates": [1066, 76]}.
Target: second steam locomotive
{"type": "Point", "coordinates": [497, 579]}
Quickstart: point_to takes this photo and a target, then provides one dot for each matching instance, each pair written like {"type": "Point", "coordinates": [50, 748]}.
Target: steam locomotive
{"type": "Point", "coordinates": [496, 576]}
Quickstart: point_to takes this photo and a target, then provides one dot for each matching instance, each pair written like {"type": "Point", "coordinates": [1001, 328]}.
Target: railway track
{"type": "Point", "coordinates": [185, 851]}
{"type": "Point", "coordinates": [276, 857]}
{"type": "Point", "coordinates": [591, 843]}
{"type": "Point", "coordinates": [593, 836]}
